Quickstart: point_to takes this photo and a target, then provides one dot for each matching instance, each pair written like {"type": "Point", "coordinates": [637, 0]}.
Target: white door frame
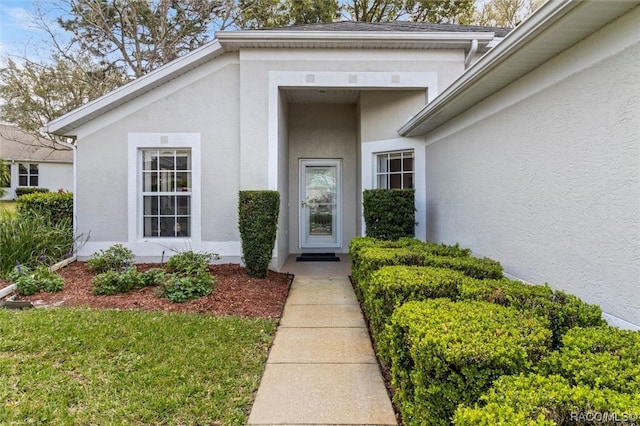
{"type": "Point", "coordinates": [306, 242]}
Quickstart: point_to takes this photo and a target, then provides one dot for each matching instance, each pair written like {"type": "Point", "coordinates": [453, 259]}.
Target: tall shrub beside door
{"type": "Point", "coordinates": [389, 214]}
{"type": "Point", "coordinates": [258, 221]}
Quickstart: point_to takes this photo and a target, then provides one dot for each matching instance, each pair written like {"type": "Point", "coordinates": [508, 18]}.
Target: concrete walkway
{"type": "Point", "coordinates": [322, 369]}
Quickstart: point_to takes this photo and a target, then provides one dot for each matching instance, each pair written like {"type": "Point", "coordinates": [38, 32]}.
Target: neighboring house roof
{"type": "Point", "coordinates": [338, 35]}
{"type": "Point", "coordinates": [17, 145]}
{"type": "Point", "coordinates": [555, 27]}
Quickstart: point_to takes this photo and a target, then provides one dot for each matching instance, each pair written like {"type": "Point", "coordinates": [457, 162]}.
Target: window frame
{"type": "Point", "coordinates": [137, 144]}
{"type": "Point", "coordinates": [160, 177]}
{"type": "Point", "coordinates": [388, 173]}
{"type": "Point", "coordinates": [29, 175]}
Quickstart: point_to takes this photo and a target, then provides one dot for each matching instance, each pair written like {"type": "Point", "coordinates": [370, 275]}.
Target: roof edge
{"type": "Point", "coordinates": [67, 122]}
{"type": "Point", "coordinates": [333, 36]}
{"type": "Point", "coordinates": [546, 16]}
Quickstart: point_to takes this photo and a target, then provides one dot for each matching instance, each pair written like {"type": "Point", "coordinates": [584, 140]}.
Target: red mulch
{"type": "Point", "coordinates": [235, 294]}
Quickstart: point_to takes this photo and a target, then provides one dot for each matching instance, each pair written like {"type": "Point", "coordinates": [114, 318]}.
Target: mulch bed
{"type": "Point", "coordinates": [235, 294]}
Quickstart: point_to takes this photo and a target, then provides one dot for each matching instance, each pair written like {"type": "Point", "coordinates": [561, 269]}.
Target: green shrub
{"type": "Point", "coordinates": [389, 214]}
{"type": "Point", "coordinates": [391, 286]}
{"type": "Point", "coordinates": [189, 262]}
{"type": "Point", "coordinates": [371, 259]}
{"type": "Point", "coordinates": [30, 281]}
{"type": "Point", "coordinates": [359, 243]}
{"type": "Point", "coordinates": [599, 357]}
{"type": "Point", "coordinates": [444, 353]}
{"type": "Point", "coordinates": [54, 207]}
{"type": "Point", "coordinates": [112, 282]}
{"type": "Point", "coordinates": [153, 276]}
{"type": "Point", "coordinates": [563, 310]}
{"type": "Point", "coordinates": [258, 222]}
{"type": "Point", "coordinates": [541, 401]}
{"type": "Point", "coordinates": [180, 288]}
{"type": "Point", "coordinates": [115, 258]}
{"type": "Point", "coordinates": [31, 241]}
{"type": "Point", "coordinates": [26, 190]}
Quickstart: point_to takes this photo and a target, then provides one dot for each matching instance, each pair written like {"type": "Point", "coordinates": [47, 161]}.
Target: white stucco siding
{"type": "Point", "coordinates": [383, 112]}
{"type": "Point", "coordinates": [255, 102]}
{"type": "Point", "coordinates": [548, 183]}
{"type": "Point", "coordinates": [203, 102]}
{"type": "Point", "coordinates": [55, 176]}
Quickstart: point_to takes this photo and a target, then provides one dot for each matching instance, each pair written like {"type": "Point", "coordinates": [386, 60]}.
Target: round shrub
{"type": "Point", "coordinates": [29, 282]}
{"type": "Point", "coordinates": [189, 262]}
{"type": "Point", "coordinates": [115, 258]}
{"type": "Point", "coordinates": [444, 353]}
{"type": "Point", "coordinates": [112, 282]}
{"type": "Point", "coordinates": [181, 288]}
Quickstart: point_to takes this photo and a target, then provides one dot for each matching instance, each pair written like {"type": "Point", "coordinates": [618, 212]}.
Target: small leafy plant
{"type": "Point", "coordinates": [115, 258]}
{"type": "Point", "coordinates": [189, 277]}
{"type": "Point", "coordinates": [112, 282]}
{"type": "Point", "coordinates": [30, 281]}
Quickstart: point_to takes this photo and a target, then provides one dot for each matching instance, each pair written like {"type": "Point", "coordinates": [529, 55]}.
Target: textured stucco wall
{"type": "Point", "coordinates": [550, 185]}
{"type": "Point", "coordinates": [323, 132]}
{"type": "Point", "coordinates": [383, 112]}
{"type": "Point", "coordinates": [207, 105]}
{"type": "Point", "coordinates": [256, 64]}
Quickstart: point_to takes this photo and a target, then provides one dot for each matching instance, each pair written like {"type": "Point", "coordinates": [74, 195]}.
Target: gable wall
{"type": "Point", "coordinates": [207, 105]}
{"type": "Point", "coordinates": [550, 185]}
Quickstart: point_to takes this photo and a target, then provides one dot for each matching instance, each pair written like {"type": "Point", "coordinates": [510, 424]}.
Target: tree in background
{"type": "Point", "coordinates": [505, 13]}
{"type": "Point", "coordinates": [35, 93]}
{"type": "Point", "coordinates": [254, 14]}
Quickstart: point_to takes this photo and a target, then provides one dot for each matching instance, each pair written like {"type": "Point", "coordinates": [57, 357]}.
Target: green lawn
{"type": "Point", "coordinates": [8, 206]}
{"type": "Point", "coordinates": [101, 367]}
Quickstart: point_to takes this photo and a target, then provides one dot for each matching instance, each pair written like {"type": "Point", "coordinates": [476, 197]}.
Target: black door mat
{"type": "Point", "coordinates": [318, 257]}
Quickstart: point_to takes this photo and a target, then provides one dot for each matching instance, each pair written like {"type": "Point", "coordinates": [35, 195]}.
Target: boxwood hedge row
{"type": "Point", "coordinates": [444, 353]}
{"type": "Point", "coordinates": [446, 336]}
{"type": "Point", "coordinates": [548, 400]}
{"type": "Point", "coordinates": [563, 310]}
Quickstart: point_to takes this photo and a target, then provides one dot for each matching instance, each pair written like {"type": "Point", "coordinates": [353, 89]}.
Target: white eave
{"type": "Point", "coordinates": [555, 27]}
{"type": "Point", "coordinates": [66, 124]}
{"type": "Point", "coordinates": [234, 40]}
{"type": "Point", "coordinates": [230, 41]}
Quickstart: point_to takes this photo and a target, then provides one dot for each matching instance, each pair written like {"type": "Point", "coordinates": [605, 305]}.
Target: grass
{"type": "Point", "coordinates": [78, 366]}
{"type": "Point", "coordinates": [9, 206]}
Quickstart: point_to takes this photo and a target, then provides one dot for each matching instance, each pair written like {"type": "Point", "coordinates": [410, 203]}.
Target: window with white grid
{"type": "Point", "coordinates": [395, 170]}
{"type": "Point", "coordinates": [166, 192]}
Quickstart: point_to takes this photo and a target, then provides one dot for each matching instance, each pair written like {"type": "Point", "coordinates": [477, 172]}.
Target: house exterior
{"type": "Point", "coordinates": [533, 156]}
{"type": "Point", "coordinates": [525, 150]}
{"type": "Point", "coordinates": [308, 111]}
{"type": "Point", "coordinates": [34, 162]}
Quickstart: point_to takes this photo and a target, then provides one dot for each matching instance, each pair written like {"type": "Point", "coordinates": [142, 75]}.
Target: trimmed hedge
{"type": "Point", "coordinates": [258, 222]}
{"type": "Point", "coordinates": [600, 357]}
{"type": "Point", "coordinates": [391, 286]}
{"type": "Point", "coordinates": [444, 353]}
{"type": "Point", "coordinates": [541, 401]}
{"type": "Point", "coordinates": [53, 207]}
{"type": "Point", "coordinates": [24, 190]}
{"type": "Point", "coordinates": [563, 310]}
{"type": "Point", "coordinates": [389, 214]}
{"type": "Point", "coordinates": [370, 259]}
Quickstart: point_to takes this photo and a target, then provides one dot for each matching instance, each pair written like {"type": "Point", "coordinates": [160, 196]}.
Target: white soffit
{"type": "Point", "coordinates": [555, 27]}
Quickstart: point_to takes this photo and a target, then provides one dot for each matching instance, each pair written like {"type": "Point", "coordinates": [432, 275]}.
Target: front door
{"type": "Point", "coordinates": [320, 204]}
